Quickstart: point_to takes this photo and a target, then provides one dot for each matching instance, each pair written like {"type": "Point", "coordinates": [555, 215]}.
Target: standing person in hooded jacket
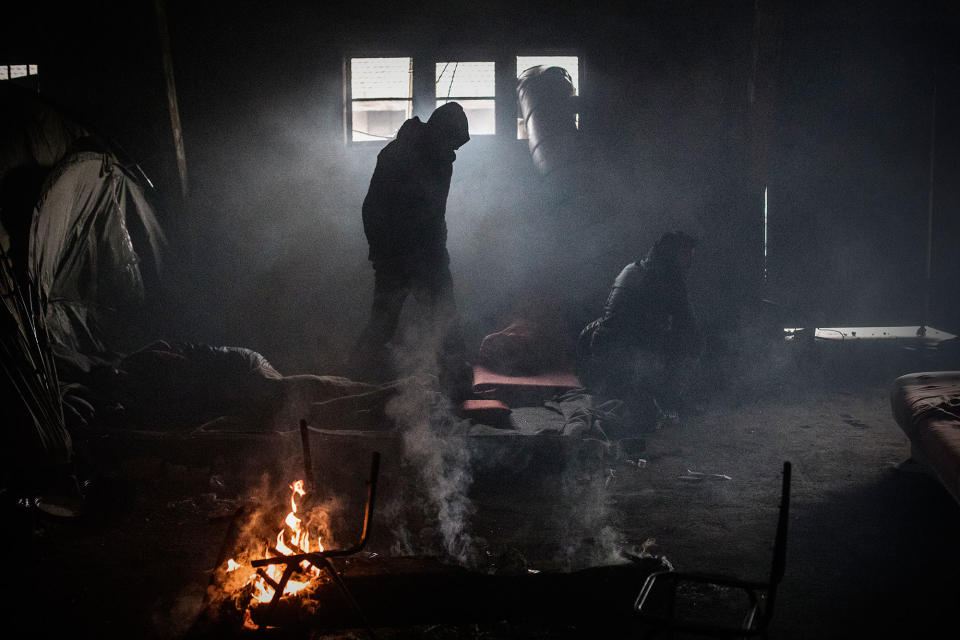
{"type": "Point", "coordinates": [404, 220]}
{"type": "Point", "coordinates": [641, 348]}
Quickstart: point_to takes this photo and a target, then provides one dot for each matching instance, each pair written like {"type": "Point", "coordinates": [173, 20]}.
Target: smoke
{"type": "Point", "coordinates": [436, 461]}
{"type": "Point", "coordinates": [280, 241]}
{"type": "Point", "coordinates": [586, 522]}
{"type": "Point", "coordinates": [442, 467]}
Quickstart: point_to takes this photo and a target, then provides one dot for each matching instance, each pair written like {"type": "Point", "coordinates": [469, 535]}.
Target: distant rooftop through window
{"type": "Point", "coordinates": [473, 86]}
{"type": "Point", "coordinates": [11, 71]}
{"type": "Point", "coordinates": [381, 92]}
{"type": "Point", "coordinates": [380, 78]}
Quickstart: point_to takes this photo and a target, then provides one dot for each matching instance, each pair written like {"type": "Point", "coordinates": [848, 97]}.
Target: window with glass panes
{"type": "Point", "coordinates": [381, 97]}
{"type": "Point", "coordinates": [381, 92]}
{"type": "Point", "coordinates": [473, 86]}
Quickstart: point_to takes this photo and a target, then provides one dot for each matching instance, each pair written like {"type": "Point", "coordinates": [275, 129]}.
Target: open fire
{"type": "Point", "coordinates": [294, 563]}
{"type": "Point", "coordinates": [288, 580]}
{"type": "Point", "coordinates": [293, 538]}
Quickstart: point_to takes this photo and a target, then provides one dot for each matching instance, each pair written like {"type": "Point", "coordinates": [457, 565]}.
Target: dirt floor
{"type": "Point", "coordinates": [872, 550]}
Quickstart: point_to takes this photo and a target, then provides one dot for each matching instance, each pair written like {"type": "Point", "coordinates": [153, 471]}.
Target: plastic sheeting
{"type": "Point", "coordinates": [81, 253]}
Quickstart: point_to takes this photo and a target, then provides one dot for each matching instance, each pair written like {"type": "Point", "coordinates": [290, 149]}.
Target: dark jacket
{"type": "Point", "coordinates": [404, 212]}
{"type": "Point", "coordinates": [647, 308]}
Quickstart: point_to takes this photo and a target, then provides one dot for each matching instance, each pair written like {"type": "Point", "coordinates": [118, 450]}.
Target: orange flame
{"type": "Point", "coordinates": [292, 539]}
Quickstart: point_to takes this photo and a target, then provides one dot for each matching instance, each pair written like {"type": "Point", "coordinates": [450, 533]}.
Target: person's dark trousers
{"type": "Point", "coordinates": [616, 369]}
{"type": "Point", "coordinates": [432, 287]}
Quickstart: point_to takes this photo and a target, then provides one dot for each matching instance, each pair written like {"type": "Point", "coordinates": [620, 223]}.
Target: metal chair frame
{"type": "Point", "coordinates": [761, 595]}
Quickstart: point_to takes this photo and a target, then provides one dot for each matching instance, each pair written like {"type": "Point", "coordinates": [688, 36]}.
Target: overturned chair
{"type": "Point", "coordinates": [665, 606]}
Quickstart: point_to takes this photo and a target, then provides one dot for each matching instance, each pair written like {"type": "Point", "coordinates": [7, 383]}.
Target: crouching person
{"type": "Point", "coordinates": [645, 345]}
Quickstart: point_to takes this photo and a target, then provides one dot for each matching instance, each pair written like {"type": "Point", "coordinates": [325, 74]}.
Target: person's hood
{"type": "Point", "coordinates": [450, 126]}
{"type": "Point", "coordinates": [411, 129]}
{"type": "Point", "coordinates": [665, 252]}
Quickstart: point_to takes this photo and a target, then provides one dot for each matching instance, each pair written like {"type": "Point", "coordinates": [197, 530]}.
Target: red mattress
{"type": "Point", "coordinates": [522, 390]}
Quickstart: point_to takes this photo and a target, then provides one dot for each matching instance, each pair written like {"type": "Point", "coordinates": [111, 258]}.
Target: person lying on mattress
{"type": "Point", "coordinates": [172, 385]}
{"type": "Point", "coordinates": [642, 347]}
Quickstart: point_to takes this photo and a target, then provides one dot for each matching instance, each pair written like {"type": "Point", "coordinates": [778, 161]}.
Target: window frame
{"type": "Point", "coordinates": [461, 99]}
{"type": "Point", "coordinates": [348, 99]}
{"type": "Point", "coordinates": [424, 99]}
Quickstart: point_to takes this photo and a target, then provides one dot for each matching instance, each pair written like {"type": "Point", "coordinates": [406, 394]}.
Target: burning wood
{"type": "Point", "coordinates": [261, 584]}
{"type": "Point", "coordinates": [294, 532]}
{"type": "Point", "coordinates": [294, 584]}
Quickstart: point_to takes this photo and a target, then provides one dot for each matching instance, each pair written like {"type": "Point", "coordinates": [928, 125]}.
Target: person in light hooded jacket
{"type": "Point", "coordinates": [404, 220]}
